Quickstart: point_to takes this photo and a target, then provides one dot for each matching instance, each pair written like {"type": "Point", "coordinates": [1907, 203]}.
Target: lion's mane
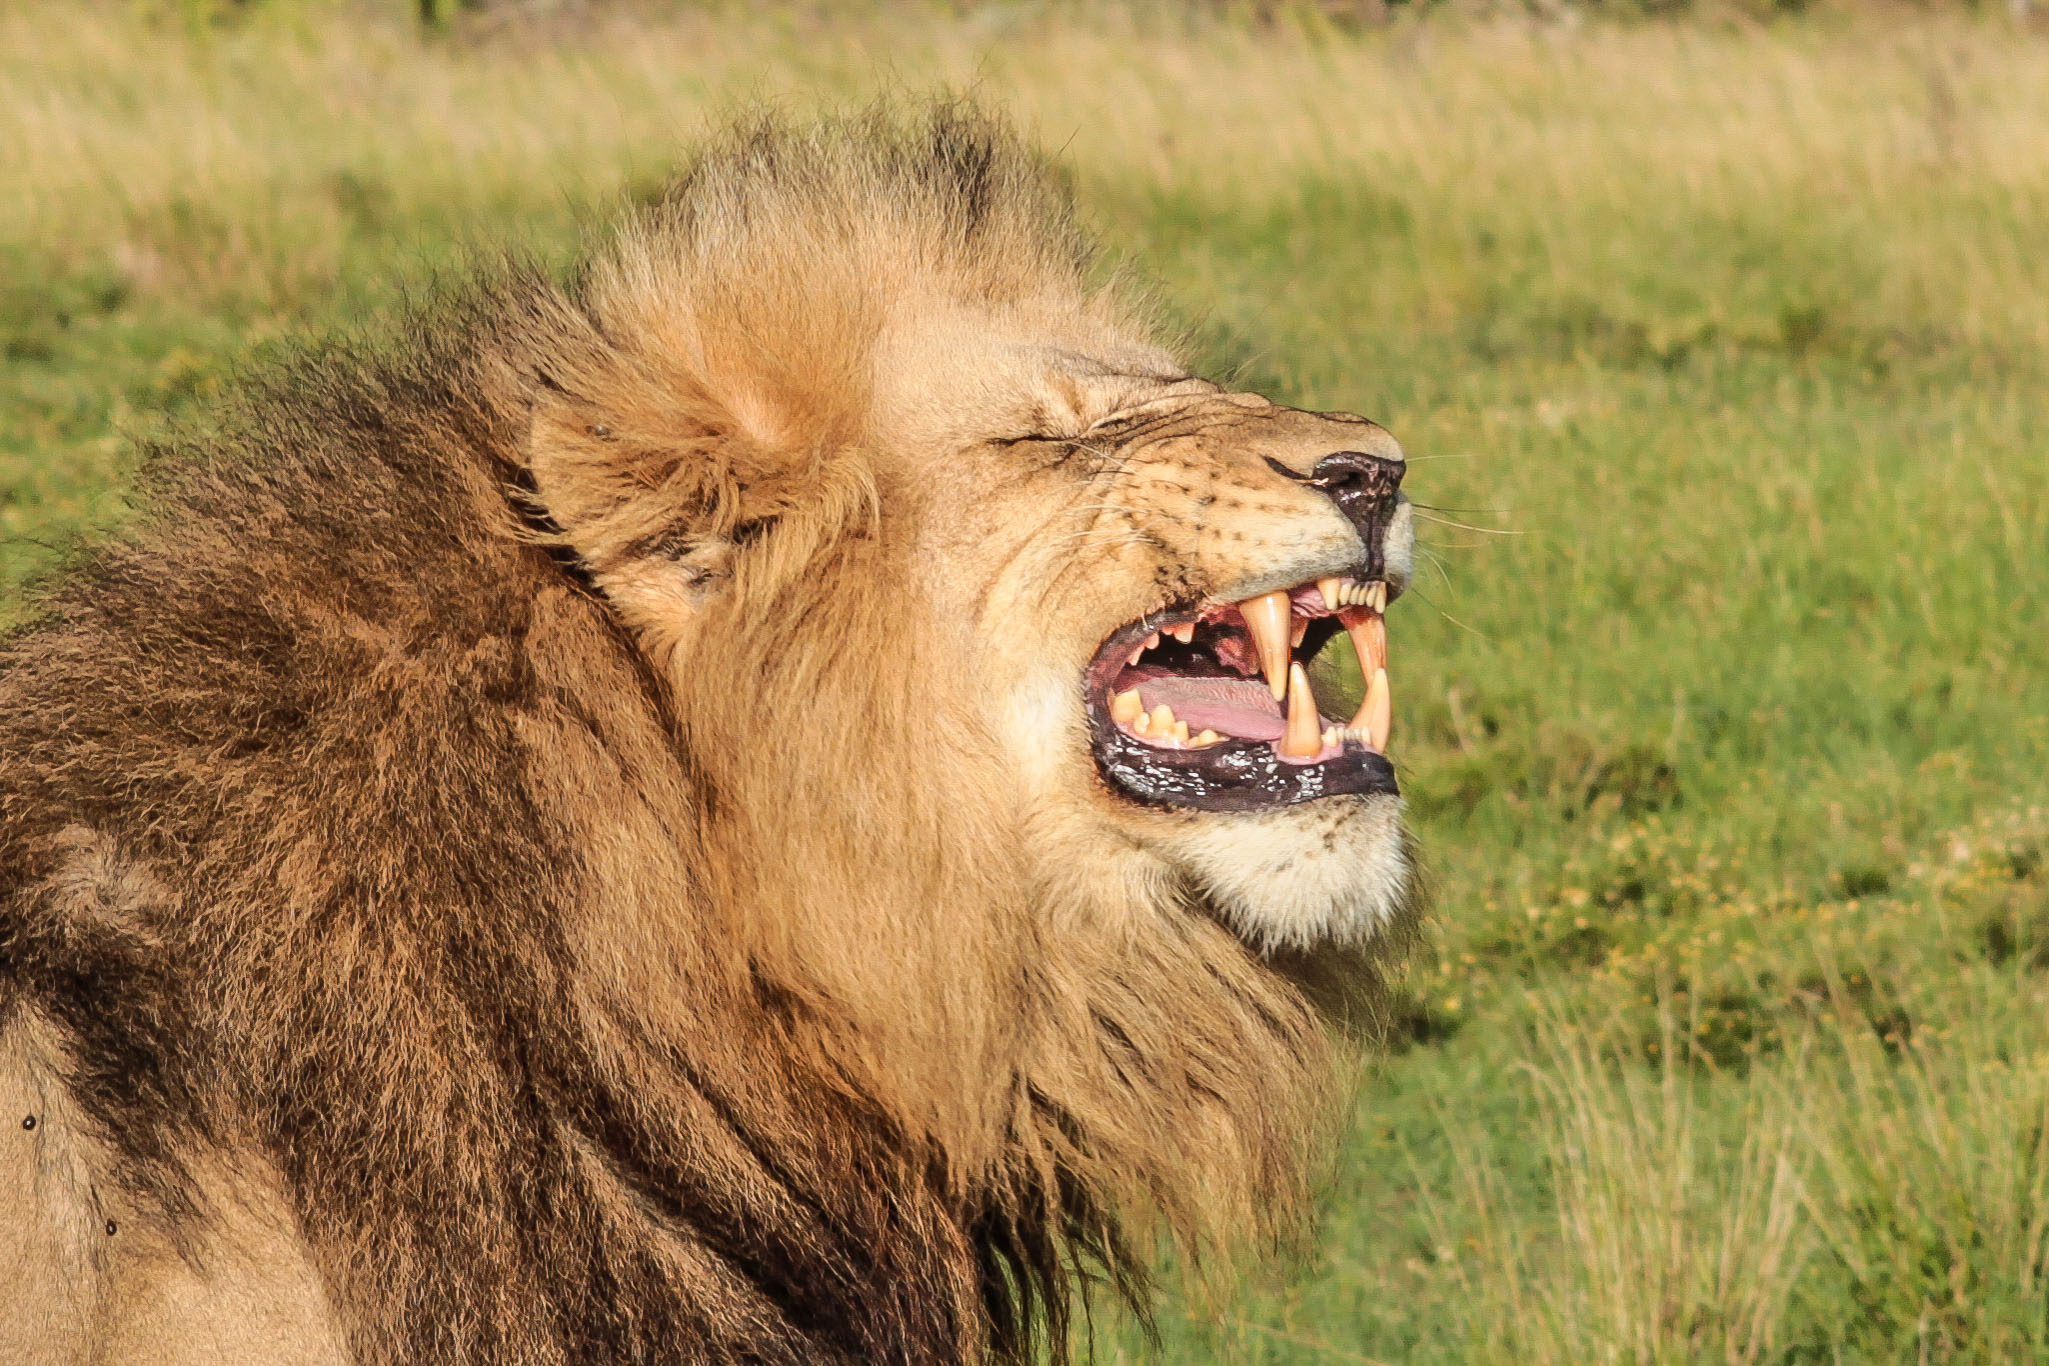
{"type": "Point", "coordinates": [595, 997]}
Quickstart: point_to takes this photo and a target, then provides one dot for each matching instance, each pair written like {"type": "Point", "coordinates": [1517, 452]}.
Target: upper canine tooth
{"type": "Point", "coordinates": [1368, 630]}
{"type": "Point", "coordinates": [1125, 707]}
{"type": "Point", "coordinates": [1304, 737]}
{"type": "Point", "coordinates": [1266, 618]}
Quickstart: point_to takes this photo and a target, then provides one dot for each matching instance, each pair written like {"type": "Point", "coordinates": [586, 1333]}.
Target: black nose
{"type": "Point", "coordinates": [1364, 488]}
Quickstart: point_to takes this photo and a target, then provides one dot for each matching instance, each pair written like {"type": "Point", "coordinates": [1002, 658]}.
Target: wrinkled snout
{"type": "Point", "coordinates": [1367, 490]}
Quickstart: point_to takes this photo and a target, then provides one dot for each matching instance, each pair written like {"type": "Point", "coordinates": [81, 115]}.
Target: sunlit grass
{"type": "Point", "coordinates": [1722, 353]}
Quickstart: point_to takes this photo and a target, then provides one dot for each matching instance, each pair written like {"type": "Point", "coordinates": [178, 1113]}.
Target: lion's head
{"type": "Point", "coordinates": [769, 789]}
{"type": "Point", "coordinates": [985, 616]}
{"type": "Point", "coordinates": [984, 621]}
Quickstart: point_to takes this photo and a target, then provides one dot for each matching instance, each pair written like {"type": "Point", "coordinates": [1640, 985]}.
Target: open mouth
{"type": "Point", "coordinates": [1212, 708]}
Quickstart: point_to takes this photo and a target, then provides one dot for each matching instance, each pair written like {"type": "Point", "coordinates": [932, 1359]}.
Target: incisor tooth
{"type": "Point", "coordinates": [1376, 713]}
{"type": "Point", "coordinates": [1304, 738]}
{"type": "Point", "coordinates": [1267, 617]}
{"type": "Point", "coordinates": [1376, 595]}
{"type": "Point", "coordinates": [1126, 708]}
{"type": "Point", "coordinates": [1333, 591]}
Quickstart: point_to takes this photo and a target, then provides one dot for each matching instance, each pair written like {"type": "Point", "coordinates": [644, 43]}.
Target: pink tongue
{"type": "Point", "coordinates": [1241, 707]}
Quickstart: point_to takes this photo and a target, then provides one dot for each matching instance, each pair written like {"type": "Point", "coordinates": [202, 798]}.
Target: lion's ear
{"type": "Point", "coordinates": [654, 506]}
{"type": "Point", "coordinates": [692, 431]}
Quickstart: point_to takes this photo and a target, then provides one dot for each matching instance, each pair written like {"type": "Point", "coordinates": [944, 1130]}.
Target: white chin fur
{"type": "Point", "coordinates": [1335, 870]}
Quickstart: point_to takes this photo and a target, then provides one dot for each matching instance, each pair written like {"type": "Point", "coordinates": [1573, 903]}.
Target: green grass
{"type": "Point", "coordinates": [1727, 729]}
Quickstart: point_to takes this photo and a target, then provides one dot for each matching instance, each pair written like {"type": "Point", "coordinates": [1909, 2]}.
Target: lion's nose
{"type": "Point", "coordinates": [1367, 490]}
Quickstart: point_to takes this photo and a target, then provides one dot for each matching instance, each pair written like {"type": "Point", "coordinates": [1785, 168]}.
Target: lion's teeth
{"type": "Point", "coordinates": [1162, 720]}
{"type": "Point", "coordinates": [1376, 713]}
{"type": "Point", "coordinates": [1297, 631]}
{"type": "Point", "coordinates": [1181, 733]}
{"type": "Point", "coordinates": [1133, 660]}
{"type": "Point", "coordinates": [1152, 642]}
{"type": "Point", "coordinates": [1141, 724]}
{"type": "Point", "coordinates": [1125, 707]}
{"type": "Point", "coordinates": [1333, 591]}
{"type": "Point", "coordinates": [1304, 738]}
{"type": "Point", "coordinates": [1368, 630]}
{"type": "Point", "coordinates": [1206, 737]}
{"type": "Point", "coordinates": [1376, 595]}
{"type": "Point", "coordinates": [1184, 633]}
{"type": "Point", "coordinates": [1267, 619]}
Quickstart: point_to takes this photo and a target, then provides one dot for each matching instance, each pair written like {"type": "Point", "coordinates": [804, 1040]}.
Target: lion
{"type": "Point", "coordinates": [755, 802]}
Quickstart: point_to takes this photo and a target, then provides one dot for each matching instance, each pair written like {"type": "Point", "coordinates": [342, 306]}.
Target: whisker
{"type": "Point", "coordinates": [1437, 563]}
{"type": "Point", "coordinates": [1468, 526]}
{"type": "Point", "coordinates": [1449, 617]}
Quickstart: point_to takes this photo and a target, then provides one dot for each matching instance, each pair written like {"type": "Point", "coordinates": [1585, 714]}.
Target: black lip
{"type": "Point", "coordinates": [1236, 775]}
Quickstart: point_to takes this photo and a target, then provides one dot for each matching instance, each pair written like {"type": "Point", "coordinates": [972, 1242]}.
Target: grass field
{"type": "Point", "coordinates": [1723, 352]}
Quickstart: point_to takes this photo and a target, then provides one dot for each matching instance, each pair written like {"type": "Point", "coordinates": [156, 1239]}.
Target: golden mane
{"type": "Point", "coordinates": [508, 789]}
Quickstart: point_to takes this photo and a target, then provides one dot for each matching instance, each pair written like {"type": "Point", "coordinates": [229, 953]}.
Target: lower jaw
{"type": "Point", "coordinates": [1236, 776]}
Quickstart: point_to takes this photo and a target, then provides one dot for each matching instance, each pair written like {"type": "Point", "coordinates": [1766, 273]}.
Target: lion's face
{"type": "Point", "coordinates": [1146, 562]}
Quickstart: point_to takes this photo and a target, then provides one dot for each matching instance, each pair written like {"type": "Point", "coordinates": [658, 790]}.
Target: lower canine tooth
{"type": "Point", "coordinates": [1267, 618]}
{"type": "Point", "coordinates": [1376, 713]}
{"type": "Point", "coordinates": [1304, 737]}
{"type": "Point", "coordinates": [1126, 708]}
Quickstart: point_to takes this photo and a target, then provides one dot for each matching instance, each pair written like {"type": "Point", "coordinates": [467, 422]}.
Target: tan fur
{"type": "Point", "coordinates": [600, 802]}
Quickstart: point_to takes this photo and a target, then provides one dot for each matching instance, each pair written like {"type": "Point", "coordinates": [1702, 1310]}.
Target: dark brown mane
{"type": "Point", "coordinates": [344, 822]}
